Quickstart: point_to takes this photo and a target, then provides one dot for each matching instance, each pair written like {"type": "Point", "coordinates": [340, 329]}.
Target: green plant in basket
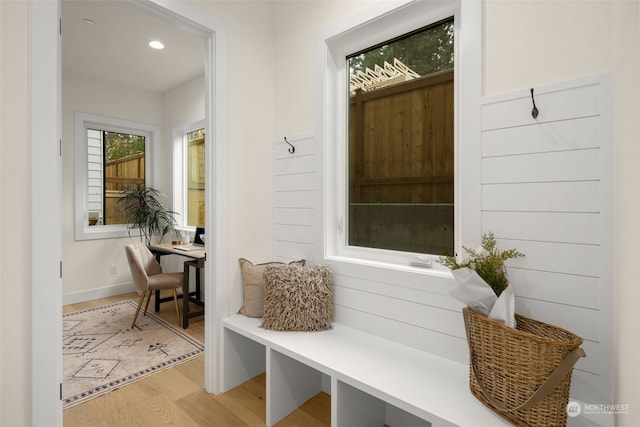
{"type": "Point", "coordinates": [487, 261]}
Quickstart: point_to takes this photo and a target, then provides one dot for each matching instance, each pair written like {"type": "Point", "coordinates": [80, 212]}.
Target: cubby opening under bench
{"type": "Point", "coordinates": [372, 381]}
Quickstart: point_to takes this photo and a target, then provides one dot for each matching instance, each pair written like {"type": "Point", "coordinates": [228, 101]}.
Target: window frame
{"type": "Point", "coordinates": [83, 122]}
{"type": "Point", "coordinates": [372, 27]}
{"type": "Point", "coordinates": [180, 170]}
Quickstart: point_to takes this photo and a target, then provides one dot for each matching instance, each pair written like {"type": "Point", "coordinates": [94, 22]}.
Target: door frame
{"type": "Point", "coordinates": [47, 274]}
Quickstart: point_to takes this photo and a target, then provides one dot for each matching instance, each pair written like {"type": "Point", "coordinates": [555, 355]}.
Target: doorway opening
{"type": "Point", "coordinates": [47, 195]}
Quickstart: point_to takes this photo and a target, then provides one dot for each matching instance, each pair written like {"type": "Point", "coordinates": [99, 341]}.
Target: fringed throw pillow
{"type": "Point", "coordinates": [253, 285]}
{"type": "Point", "coordinates": [298, 298]}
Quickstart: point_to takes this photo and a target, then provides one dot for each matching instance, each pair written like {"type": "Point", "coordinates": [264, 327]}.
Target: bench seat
{"type": "Point", "coordinates": [371, 379]}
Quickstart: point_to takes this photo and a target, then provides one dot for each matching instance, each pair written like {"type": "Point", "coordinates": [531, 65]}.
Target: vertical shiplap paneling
{"type": "Point", "coordinates": [546, 191]}
{"type": "Point", "coordinates": [294, 199]}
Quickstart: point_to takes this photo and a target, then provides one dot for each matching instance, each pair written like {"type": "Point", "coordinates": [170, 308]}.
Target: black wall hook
{"type": "Point", "coordinates": [292, 149]}
{"type": "Point", "coordinates": [534, 111]}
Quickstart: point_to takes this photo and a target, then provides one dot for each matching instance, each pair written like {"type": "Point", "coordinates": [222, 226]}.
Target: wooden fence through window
{"type": "Point", "coordinates": [401, 142]}
{"type": "Point", "coordinates": [121, 174]}
{"type": "Point", "coordinates": [401, 166]}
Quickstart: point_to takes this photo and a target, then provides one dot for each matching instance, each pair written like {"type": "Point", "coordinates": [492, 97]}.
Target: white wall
{"type": "Point", "coordinates": [251, 77]}
{"type": "Point", "coordinates": [296, 24]}
{"type": "Point", "coordinates": [529, 43]}
{"type": "Point", "coordinates": [15, 221]}
{"type": "Point", "coordinates": [626, 203]}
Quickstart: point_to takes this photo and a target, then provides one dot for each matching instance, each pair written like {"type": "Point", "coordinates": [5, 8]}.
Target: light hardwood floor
{"type": "Point", "coordinates": [176, 396]}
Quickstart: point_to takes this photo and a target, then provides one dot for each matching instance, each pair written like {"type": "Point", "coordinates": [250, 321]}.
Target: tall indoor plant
{"type": "Point", "coordinates": [142, 209]}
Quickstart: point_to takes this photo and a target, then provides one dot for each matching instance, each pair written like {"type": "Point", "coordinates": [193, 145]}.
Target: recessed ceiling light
{"type": "Point", "coordinates": [88, 21]}
{"type": "Point", "coordinates": [156, 44]}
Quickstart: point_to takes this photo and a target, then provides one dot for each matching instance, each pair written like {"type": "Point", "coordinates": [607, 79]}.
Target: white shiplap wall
{"type": "Point", "coordinates": [396, 304]}
{"type": "Point", "coordinates": [546, 190]}
{"type": "Point", "coordinates": [545, 187]}
{"type": "Point", "coordinates": [295, 209]}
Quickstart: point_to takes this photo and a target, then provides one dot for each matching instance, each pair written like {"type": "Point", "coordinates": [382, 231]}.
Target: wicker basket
{"type": "Point", "coordinates": [522, 373]}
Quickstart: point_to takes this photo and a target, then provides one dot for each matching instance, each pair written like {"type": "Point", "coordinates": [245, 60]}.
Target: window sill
{"type": "Point", "coordinates": [404, 274]}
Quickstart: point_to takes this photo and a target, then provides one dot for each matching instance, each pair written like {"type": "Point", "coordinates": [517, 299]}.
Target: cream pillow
{"type": "Point", "coordinates": [253, 285]}
{"type": "Point", "coordinates": [298, 298]}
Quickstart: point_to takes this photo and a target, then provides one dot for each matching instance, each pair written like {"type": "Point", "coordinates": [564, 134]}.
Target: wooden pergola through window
{"type": "Point", "coordinates": [386, 75]}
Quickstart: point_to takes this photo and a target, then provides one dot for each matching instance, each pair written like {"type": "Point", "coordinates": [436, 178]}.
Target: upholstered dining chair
{"type": "Point", "coordinates": [148, 277]}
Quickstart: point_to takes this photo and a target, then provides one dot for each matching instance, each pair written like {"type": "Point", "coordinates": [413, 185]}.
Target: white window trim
{"type": "Point", "coordinates": [82, 122]}
{"type": "Point", "coordinates": [377, 24]}
{"type": "Point", "coordinates": [180, 172]}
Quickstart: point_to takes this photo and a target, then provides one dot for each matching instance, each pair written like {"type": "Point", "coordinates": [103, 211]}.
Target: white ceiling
{"type": "Point", "coordinates": [115, 48]}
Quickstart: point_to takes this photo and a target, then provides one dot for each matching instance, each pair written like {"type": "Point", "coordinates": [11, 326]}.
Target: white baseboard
{"type": "Point", "coordinates": [91, 294]}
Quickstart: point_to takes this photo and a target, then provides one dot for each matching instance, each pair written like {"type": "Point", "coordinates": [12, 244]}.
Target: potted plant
{"type": "Point", "coordinates": [487, 261]}
{"type": "Point", "coordinates": [142, 209]}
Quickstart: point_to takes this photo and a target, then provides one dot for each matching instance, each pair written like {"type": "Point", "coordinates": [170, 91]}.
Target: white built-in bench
{"type": "Point", "coordinates": [372, 381]}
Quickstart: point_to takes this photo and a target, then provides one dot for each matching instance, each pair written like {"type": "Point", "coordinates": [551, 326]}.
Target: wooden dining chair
{"type": "Point", "coordinates": [148, 276]}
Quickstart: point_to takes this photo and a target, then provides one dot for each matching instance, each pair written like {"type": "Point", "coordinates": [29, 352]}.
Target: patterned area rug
{"type": "Point", "coordinates": [102, 353]}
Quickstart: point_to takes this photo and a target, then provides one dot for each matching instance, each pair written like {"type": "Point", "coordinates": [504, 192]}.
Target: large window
{"type": "Point", "coordinates": [189, 169]}
{"type": "Point", "coordinates": [401, 143]}
{"type": "Point", "coordinates": [110, 156]}
{"type": "Point", "coordinates": [437, 211]}
{"type": "Point", "coordinates": [116, 161]}
{"type": "Point", "coordinates": [195, 180]}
